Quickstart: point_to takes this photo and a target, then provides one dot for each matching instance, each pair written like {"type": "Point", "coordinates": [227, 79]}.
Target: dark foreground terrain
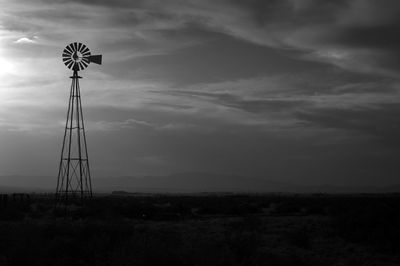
{"type": "Point", "coordinates": [203, 229]}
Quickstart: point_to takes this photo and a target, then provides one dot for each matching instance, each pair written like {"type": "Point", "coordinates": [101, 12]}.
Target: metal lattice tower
{"type": "Point", "coordinates": [74, 180]}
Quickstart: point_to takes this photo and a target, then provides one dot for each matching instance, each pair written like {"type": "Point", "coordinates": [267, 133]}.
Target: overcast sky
{"type": "Point", "coordinates": [299, 91]}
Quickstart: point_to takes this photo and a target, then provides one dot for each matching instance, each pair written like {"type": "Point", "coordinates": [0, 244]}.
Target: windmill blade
{"type": "Point", "coordinates": [70, 64]}
{"type": "Point", "coordinates": [82, 65]}
{"type": "Point", "coordinates": [85, 64]}
{"type": "Point", "coordinates": [95, 59]}
{"type": "Point", "coordinates": [68, 49]}
{"type": "Point", "coordinates": [66, 55]}
{"type": "Point", "coordinates": [71, 47]}
{"type": "Point", "coordinates": [86, 60]}
{"type": "Point", "coordinates": [82, 48]}
{"type": "Point", "coordinates": [85, 51]}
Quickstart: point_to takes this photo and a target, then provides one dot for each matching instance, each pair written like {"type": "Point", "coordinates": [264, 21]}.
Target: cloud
{"type": "Point", "coordinates": [144, 125]}
{"type": "Point", "coordinates": [289, 82]}
{"type": "Point", "coordinates": [117, 125]}
{"type": "Point", "coordinates": [270, 105]}
{"type": "Point", "coordinates": [27, 40]}
{"type": "Point", "coordinates": [352, 34]}
{"type": "Point", "coordinates": [380, 122]}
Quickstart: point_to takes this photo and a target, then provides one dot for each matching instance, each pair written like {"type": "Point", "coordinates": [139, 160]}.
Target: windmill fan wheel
{"type": "Point", "coordinates": [76, 56]}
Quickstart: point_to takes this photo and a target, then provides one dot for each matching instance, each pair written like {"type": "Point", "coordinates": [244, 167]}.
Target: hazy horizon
{"type": "Point", "coordinates": [296, 91]}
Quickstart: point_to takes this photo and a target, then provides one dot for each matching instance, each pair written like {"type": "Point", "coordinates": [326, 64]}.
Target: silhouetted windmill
{"type": "Point", "coordinates": [74, 179]}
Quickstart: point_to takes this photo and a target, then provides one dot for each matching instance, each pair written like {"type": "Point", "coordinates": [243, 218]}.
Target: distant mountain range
{"type": "Point", "coordinates": [184, 183]}
{"type": "Point", "coordinates": [192, 182]}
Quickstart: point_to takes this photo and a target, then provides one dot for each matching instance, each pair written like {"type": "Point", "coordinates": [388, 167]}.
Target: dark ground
{"type": "Point", "coordinates": [203, 229]}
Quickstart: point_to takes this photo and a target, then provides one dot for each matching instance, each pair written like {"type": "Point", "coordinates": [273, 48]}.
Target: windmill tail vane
{"type": "Point", "coordinates": [74, 178]}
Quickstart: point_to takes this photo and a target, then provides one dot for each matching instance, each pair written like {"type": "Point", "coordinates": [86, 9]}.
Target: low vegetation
{"type": "Point", "coordinates": [203, 229]}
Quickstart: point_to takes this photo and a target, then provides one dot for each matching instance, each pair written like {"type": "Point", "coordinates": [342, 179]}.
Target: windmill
{"type": "Point", "coordinates": [74, 180]}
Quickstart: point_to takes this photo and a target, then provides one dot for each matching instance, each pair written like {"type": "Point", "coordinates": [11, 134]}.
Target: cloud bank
{"type": "Point", "coordinates": [282, 88]}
